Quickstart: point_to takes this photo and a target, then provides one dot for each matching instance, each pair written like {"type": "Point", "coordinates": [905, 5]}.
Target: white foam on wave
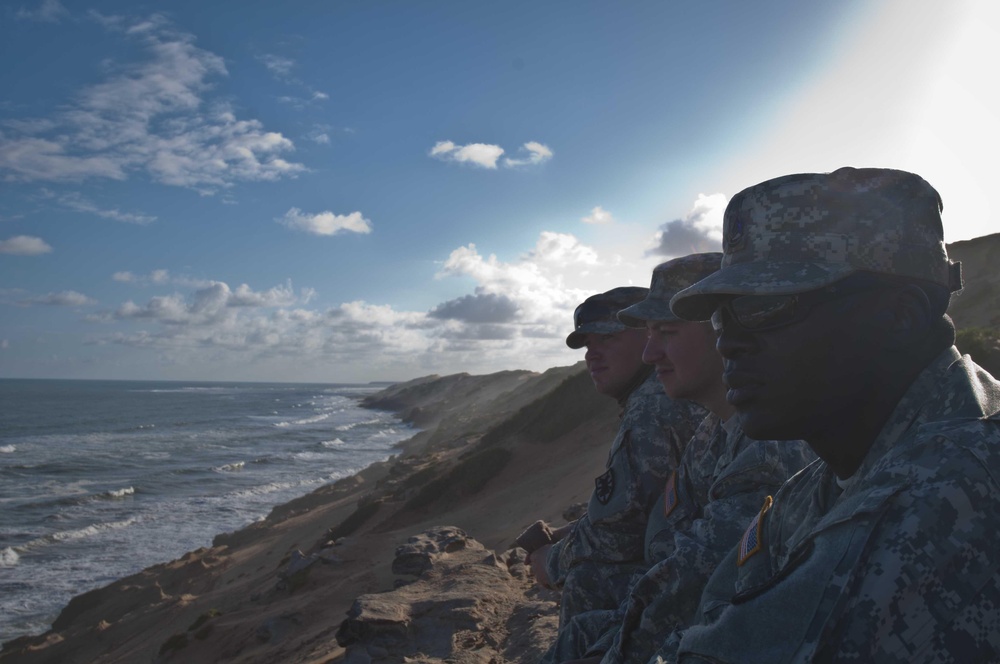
{"type": "Point", "coordinates": [120, 493]}
{"type": "Point", "coordinates": [9, 557]}
{"type": "Point", "coordinates": [336, 442]}
{"type": "Point", "coordinates": [230, 467]}
{"type": "Point", "coordinates": [348, 427]}
{"type": "Point", "coordinates": [78, 533]}
{"type": "Point", "coordinates": [307, 420]}
{"type": "Point", "coordinates": [7, 449]}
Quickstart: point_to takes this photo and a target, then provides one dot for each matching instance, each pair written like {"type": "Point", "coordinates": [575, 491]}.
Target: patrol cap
{"type": "Point", "coordinates": [668, 279]}
{"type": "Point", "coordinates": [801, 232]}
{"type": "Point", "coordinates": [597, 314]}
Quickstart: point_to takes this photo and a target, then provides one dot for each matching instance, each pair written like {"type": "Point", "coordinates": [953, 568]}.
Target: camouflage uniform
{"type": "Point", "coordinates": [703, 510]}
{"type": "Point", "coordinates": [899, 566]}
{"type": "Point", "coordinates": [898, 562]}
{"type": "Point", "coordinates": [595, 561]}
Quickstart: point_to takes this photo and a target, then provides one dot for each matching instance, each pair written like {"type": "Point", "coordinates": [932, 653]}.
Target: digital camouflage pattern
{"type": "Point", "coordinates": [896, 565]}
{"type": "Point", "coordinates": [598, 314]}
{"type": "Point", "coordinates": [801, 232]}
{"type": "Point", "coordinates": [722, 479]}
{"type": "Point", "coordinates": [668, 279]}
{"type": "Point", "coordinates": [595, 561]}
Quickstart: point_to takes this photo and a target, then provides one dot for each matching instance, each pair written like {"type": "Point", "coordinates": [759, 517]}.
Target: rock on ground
{"type": "Point", "coordinates": [466, 605]}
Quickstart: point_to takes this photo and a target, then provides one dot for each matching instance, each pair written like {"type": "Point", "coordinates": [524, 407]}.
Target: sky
{"type": "Point", "coordinates": [322, 191]}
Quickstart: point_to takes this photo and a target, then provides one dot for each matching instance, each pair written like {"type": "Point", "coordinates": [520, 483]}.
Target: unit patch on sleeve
{"type": "Point", "coordinates": [753, 539]}
{"type": "Point", "coordinates": [670, 494]}
{"type": "Point", "coordinates": [604, 486]}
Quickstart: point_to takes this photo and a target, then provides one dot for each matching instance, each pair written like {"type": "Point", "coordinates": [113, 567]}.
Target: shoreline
{"type": "Point", "coordinates": [532, 440]}
{"type": "Point", "coordinates": [95, 492]}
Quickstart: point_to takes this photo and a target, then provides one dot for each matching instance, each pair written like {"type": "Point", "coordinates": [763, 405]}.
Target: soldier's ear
{"type": "Point", "coordinates": [910, 314]}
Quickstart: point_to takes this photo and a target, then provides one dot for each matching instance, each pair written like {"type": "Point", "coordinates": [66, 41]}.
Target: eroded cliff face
{"type": "Point", "coordinates": [496, 455]}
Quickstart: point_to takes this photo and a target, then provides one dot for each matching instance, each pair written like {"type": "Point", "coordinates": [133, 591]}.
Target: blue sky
{"type": "Point", "coordinates": [354, 191]}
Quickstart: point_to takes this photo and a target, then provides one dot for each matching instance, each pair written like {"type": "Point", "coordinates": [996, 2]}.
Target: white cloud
{"type": "Point", "coordinates": [67, 298]}
{"type": "Point", "coordinates": [477, 154]}
{"type": "Point", "coordinates": [152, 116]}
{"type": "Point", "coordinates": [325, 223]}
{"type": "Point", "coordinates": [700, 231]}
{"type": "Point", "coordinates": [516, 314]}
{"type": "Point", "coordinates": [486, 155]}
{"type": "Point", "coordinates": [50, 11]}
{"type": "Point", "coordinates": [213, 304]}
{"type": "Point", "coordinates": [537, 154]}
{"type": "Point", "coordinates": [24, 245]}
{"type": "Point", "coordinates": [598, 216]}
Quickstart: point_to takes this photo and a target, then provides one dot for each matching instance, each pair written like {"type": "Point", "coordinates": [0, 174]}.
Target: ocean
{"type": "Point", "coordinates": [101, 479]}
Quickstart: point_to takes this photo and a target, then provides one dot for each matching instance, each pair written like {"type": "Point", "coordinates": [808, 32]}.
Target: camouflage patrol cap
{"type": "Point", "coordinates": [598, 313]}
{"type": "Point", "coordinates": [668, 279]}
{"type": "Point", "coordinates": [801, 232]}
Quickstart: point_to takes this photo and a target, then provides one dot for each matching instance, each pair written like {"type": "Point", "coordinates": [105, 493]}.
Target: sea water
{"type": "Point", "coordinates": [101, 479]}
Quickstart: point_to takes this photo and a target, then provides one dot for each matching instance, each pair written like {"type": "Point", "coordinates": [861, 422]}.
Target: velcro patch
{"type": "Point", "coordinates": [670, 494]}
{"type": "Point", "coordinates": [752, 539]}
{"type": "Point", "coordinates": [604, 486]}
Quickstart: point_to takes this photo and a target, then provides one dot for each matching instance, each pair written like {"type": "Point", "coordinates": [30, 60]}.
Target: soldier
{"type": "Point", "coordinates": [593, 559]}
{"type": "Point", "coordinates": [830, 307]}
{"type": "Point", "coordinates": [706, 502]}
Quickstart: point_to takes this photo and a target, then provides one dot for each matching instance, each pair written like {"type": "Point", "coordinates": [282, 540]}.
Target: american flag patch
{"type": "Point", "coordinates": [670, 494]}
{"type": "Point", "coordinates": [752, 539]}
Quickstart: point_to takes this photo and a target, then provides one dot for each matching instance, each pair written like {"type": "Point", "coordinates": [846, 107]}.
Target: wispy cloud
{"type": "Point", "coordinates": [159, 277]}
{"type": "Point", "coordinates": [49, 11]}
{"type": "Point", "coordinates": [76, 201]}
{"type": "Point", "coordinates": [67, 298]}
{"type": "Point", "coordinates": [699, 231]}
{"type": "Point", "coordinates": [325, 223]}
{"type": "Point", "coordinates": [536, 154]}
{"type": "Point", "coordinates": [319, 134]}
{"type": "Point", "coordinates": [151, 116]}
{"type": "Point", "coordinates": [24, 245]}
{"type": "Point", "coordinates": [598, 216]}
{"type": "Point", "coordinates": [278, 65]}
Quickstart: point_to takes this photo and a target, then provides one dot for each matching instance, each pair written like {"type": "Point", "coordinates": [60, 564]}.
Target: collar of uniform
{"type": "Point", "coordinates": [642, 384]}
{"type": "Point", "coordinates": [948, 388]}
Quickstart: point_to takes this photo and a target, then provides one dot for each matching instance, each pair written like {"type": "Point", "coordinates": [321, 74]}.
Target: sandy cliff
{"type": "Point", "coordinates": [496, 453]}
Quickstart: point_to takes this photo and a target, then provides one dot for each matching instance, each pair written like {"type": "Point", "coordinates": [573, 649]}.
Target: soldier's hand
{"type": "Point", "coordinates": [534, 536]}
{"type": "Point", "coordinates": [536, 562]}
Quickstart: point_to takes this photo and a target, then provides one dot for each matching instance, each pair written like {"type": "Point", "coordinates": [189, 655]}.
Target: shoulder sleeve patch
{"type": "Point", "coordinates": [752, 540]}
{"type": "Point", "coordinates": [670, 494]}
{"type": "Point", "coordinates": [604, 486]}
